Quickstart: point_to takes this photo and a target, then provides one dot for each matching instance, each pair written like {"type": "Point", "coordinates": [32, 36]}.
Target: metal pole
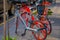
{"type": "Point", "coordinates": [4, 7]}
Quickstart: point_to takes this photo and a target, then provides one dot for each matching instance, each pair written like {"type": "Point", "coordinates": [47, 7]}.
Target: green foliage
{"type": "Point", "coordinates": [9, 38]}
{"type": "Point", "coordinates": [50, 12]}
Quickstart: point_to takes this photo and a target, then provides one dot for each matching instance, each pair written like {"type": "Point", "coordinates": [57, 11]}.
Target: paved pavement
{"type": "Point", "coordinates": [55, 35]}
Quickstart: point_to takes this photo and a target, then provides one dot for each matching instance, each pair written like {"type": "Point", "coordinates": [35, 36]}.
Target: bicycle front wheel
{"type": "Point", "coordinates": [41, 34]}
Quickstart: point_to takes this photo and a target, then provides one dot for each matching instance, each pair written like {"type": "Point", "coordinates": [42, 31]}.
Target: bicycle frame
{"type": "Point", "coordinates": [28, 28]}
{"type": "Point", "coordinates": [32, 17]}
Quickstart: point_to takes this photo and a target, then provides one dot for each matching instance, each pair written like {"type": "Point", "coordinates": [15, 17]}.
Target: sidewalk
{"type": "Point", "coordinates": [56, 10]}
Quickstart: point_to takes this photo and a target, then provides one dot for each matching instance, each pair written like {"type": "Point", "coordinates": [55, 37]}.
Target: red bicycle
{"type": "Point", "coordinates": [37, 28]}
{"type": "Point", "coordinates": [44, 18]}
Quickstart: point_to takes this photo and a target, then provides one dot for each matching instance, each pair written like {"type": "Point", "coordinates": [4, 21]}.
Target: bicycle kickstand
{"type": "Point", "coordinates": [23, 34]}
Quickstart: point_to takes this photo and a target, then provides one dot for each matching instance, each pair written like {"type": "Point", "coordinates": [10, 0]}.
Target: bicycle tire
{"type": "Point", "coordinates": [47, 24]}
{"type": "Point", "coordinates": [50, 27]}
{"type": "Point", "coordinates": [36, 35]}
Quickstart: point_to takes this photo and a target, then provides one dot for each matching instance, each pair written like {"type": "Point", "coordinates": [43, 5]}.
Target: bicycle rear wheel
{"type": "Point", "coordinates": [49, 27]}
{"type": "Point", "coordinates": [40, 35]}
{"type": "Point", "coordinates": [47, 24]}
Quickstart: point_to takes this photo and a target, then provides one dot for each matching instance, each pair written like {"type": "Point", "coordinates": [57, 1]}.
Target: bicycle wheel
{"type": "Point", "coordinates": [49, 27]}
{"type": "Point", "coordinates": [47, 24]}
{"type": "Point", "coordinates": [41, 34]}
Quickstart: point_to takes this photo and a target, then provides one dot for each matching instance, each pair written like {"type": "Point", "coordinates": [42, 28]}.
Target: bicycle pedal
{"type": "Point", "coordinates": [23, 34]}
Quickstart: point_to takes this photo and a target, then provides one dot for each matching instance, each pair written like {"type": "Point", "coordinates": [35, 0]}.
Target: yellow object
{"type": "Point", "coordinates": [34, 12]}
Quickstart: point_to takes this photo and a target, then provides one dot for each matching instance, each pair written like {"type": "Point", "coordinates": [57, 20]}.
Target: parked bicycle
{"type": "Point", "coordinates": [37, 28]}
{"type": "Point", "coordinates": [42, 9]}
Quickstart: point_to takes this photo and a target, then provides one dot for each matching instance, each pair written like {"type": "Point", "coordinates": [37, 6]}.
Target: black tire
{"type": "Point", "coordinates": [50, 26]}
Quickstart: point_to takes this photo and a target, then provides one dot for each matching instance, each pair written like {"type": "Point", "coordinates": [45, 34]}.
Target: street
{"type": "Point", "coordinates": [55, 35]}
